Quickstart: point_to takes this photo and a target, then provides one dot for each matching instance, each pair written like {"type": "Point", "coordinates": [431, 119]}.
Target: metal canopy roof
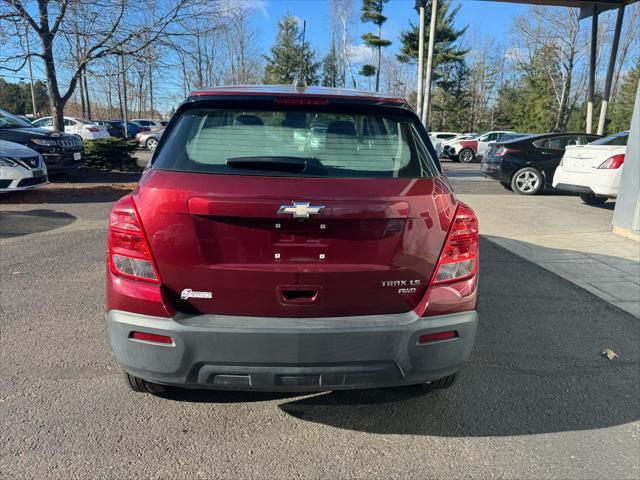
{"type": "Point", "coordinates": [587, 7]}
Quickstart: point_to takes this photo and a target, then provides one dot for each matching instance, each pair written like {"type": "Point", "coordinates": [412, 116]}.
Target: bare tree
{"type": "Point", "coordinates": [557, 32]}
{"type": "Point", "coordinates": [109, 28]}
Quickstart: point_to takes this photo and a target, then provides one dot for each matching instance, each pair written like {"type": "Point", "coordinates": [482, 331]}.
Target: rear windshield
{"type": "Point", "coordinates": [619, 139]}
{"type": "Point", "coordinates": [373, 143]}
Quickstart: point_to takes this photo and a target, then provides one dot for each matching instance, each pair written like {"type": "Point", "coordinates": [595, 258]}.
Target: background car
{"type": "Point", "coordinates": [151, 123]}
{"type": "Point", "coordinates": [62, 152]}
{"type": "Point", "coordinates": [593, 170]}
{"type": "Point", "coordinates": [526, 164]}
{"type": "Point", "coordinates": [467, 149]}
{"type": "Point", "coordinates": [448, 149]}
{"type": "Point", "coordinates": [86, 129]}
{"type": "Point", "coordinates": [114, 127]}
{"type": "Point", "coordinates": [438, 137]}
{"type": "Point", "coordinates": [20, 167]}
{"type": "Point", "coordinates": [149, 139]}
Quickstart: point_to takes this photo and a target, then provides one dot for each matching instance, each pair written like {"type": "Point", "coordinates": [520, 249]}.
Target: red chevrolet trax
{"type": "Point", "coordinates": [292, 239]}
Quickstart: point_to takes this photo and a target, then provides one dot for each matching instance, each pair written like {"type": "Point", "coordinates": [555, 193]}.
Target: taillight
{"type": "Point", "coordinates": [459, 257]}
{"type": "Point", "coordinates": [502, 151]}
{"type": "Point", "coordinates": [92, 129]}
{"type": "Point", "coordinates": [613, 162]}
{"type": "Point", "coordinates": [129, 252]}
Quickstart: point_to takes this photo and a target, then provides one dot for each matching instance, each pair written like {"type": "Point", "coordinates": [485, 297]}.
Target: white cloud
{"type": "Point", "coordinates": [360, 53]}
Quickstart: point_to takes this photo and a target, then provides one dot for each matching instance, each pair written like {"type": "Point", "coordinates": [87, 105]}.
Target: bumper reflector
{"type": "Point", "coordinates": [435, 337]}
{"type": "Point", "coordinates": [151, 337]}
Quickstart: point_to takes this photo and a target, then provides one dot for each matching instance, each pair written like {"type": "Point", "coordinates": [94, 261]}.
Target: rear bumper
{"type": "Point", "coordinates": [603, 183]}
{"type": "Point", "coordinates": [494, 172]}
{"type": "Point", "coordinates": [292, 354]}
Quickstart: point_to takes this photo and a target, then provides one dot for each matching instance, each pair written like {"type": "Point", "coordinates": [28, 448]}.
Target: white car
{"type": "Point", "coordinates": [593, 170]}
{"type": "Point", "coordinates": [438, 137]}
{"type": "Point", "coordinates": [20, 167]}
{"type": "Point", "coordinates": [86, 129]}
{"type": "Point", "coordinates": [447, 145]}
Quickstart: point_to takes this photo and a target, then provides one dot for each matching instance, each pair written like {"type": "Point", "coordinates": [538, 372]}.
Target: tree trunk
{"type": "Point", "coordinates": [379, 61]}
{"type": "Point", "coordinates": [86, 92]}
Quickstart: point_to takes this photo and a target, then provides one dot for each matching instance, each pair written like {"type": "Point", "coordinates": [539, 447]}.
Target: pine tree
{"type": "Point", "coordinates": [622, 108]}
{"type": "Point", "coordinates": [372, 12]}
{"type": "Point", "coordinates": [445, 47]}
{"type": "Point", "coordinates": [368, 71]}
{"type": "Point", "coordinates": [289, 57]}
{"type": "Point", "coordinates": [533, 102]}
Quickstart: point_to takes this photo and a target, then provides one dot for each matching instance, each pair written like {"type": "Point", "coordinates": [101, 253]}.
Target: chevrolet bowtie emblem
{"type": "Point", "coordinates": [301, 209]}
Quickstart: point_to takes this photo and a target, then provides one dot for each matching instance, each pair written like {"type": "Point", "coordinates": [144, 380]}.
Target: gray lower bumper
{"type": "Point", "coordinates": [292, 354]}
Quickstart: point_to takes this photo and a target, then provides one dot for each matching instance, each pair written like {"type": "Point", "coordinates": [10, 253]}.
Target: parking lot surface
{"type": "Point", "coordinates": [537, 400]}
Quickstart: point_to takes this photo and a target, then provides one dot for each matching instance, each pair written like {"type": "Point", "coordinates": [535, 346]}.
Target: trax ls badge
{"type": "Point", "coordinates": [188, 293]}
{"type": "Point", "coordinates": [405, 286]}
{"type": "Point", "coordinates": [301, 209]}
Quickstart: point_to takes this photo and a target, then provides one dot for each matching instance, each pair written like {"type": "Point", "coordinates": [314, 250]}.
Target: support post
{"type": "Point", "coordinates": [427, 90]}
{"type": "Point", "coordinates": [612, 64]}
{"type": "Point", "coordinates": [592, 69]}
{"type": "Point", "coordinates": [420, 59]}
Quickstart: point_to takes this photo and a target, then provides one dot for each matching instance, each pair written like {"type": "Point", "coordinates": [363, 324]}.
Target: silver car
{"type": "Point", "coordinates": [149, 140]}
{"type": "Point", "coordinates": [20, 167]}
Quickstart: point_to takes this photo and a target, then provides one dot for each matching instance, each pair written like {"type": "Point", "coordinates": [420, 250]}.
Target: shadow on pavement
{"type": "Point", "coordinates": [15, 224]}
{"type": "Point", "coordinates": [535, 369]}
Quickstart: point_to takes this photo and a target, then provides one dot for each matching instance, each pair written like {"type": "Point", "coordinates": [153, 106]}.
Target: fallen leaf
{"type": "Point", "coordinates": [609, 354]}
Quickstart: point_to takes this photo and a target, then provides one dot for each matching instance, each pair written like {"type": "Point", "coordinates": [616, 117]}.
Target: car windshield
{"type": "Point", "coordinates": [373, 143]}
{"type": "Point", "coordinates": [8, 120]}
{"type": "Point", "coordinates": [619, 139]}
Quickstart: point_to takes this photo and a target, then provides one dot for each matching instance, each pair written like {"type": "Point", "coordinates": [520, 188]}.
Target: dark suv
{"type": "Point", "coordinates": [61, 152]}
{"type": "Point", "coordinates": [292, 239]}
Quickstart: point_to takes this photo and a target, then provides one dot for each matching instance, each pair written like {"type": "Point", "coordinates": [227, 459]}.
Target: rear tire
{"type": "Point", "coordinates": [527, 181]}
{"type": "Point", "coordinates": [440, 384]}
{"type": "Point", "coordinates": [466, 155]}
{"type": "Point", "coordinates": [151, 144]}
{"type": "Point", "coordinates": [591, 199]}
{"type": "Point", "coordinates": [140, 385]}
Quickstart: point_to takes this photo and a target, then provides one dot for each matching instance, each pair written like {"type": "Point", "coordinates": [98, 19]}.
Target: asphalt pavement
{"type": "Point", "coordinates": [536, 399]}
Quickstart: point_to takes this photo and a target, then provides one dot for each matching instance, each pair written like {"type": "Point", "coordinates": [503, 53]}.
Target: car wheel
{"type": "Point", "coordinates": [591, 199]}
{"type": "Point", "coordinates": [507, 186]}
{"type": "Point", "coordinates": [440, 384]}
{"type": "Point", "coordinates": [151, 144]}
{"type": "Point", "coordinates": [466, 155]}
{"type": "Point", "coordinates": [527, 181]}
{"type": "Point", "coordinates": [138, 384]}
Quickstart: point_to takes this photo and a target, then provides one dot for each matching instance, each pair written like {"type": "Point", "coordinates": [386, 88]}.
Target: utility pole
{"type": "Point", "coordinates": [612, 63]}
{"type": "Point", "coordinates": [592, 68]}
{"type": "Point", "coordinates": [432, 34]}
{"type": "Point", "coordinates": [151, 89]}
{"type": "Point", "coordinates": [33, 93]}
{"type": "Point", "coordinates": [420, 59]}
{"type": "Point", "coordinates": [124, 91]}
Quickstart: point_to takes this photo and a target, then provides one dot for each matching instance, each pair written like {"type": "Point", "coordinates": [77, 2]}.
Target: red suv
{"type": "Point", "coordinates": [292, 239]}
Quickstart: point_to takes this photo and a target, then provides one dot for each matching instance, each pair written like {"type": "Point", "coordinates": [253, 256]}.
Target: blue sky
{"type": "Point", "coordinates": [478, 15]}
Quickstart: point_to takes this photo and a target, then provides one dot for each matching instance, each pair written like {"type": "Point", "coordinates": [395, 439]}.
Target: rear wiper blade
{"type": "Point", "coordinates": [278, 163]}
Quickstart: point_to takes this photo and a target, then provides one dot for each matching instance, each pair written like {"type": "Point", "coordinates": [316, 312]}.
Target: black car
{"type": "Point", "coordinates": [114, 127]}
{"type": "Point", "coordinates": [62, 152]}
{"type": "Point", "coordinates": [526, 164]}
